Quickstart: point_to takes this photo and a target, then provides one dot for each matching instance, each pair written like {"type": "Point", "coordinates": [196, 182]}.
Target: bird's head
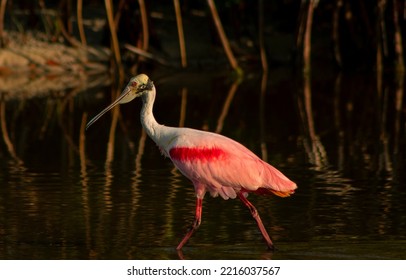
{"type": "Point", "coordinates": [136, 87]}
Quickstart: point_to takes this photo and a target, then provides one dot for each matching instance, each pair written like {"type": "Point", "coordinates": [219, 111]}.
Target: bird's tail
{"type": "Point", "coordinates": [277, 183]}
{"type": "Point", "coordinates": [266, 191]}
{"type": "Point", "coordinates": [282, 194]}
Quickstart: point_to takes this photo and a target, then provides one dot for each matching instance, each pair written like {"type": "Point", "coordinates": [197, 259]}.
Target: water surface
{"type": "Point", "coordinates": [109, 193]}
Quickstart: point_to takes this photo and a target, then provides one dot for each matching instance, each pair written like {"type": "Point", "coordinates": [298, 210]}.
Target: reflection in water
{"type": "Point", "coordinates": [338, 122]}
{"type": "Point", "coordinates": [226, 106]}
{"type": "Point", "coordinates": [5, 134]}
{"type": "Point", "coordinates": [311, 142]}
{"type": "Point", "coordinates": [264, 82]}
{"type": "Point", "coordinates": [183, 107]}
{"type": "Point", "coordinates": [84, 179]}
{"type": "Point", "coordinates": [65, 194]}
{"type": "Point", "coordinates": [399, 107]}
{"type": "Point", "coordinates": [135, 193]}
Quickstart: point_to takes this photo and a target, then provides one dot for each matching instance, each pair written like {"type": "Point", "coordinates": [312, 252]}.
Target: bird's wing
{"type": "Point", "coordinates": [225, 166]}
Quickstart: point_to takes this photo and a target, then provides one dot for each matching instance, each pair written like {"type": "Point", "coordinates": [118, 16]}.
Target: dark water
{"type": "Point", "coordinates": [109, 194]}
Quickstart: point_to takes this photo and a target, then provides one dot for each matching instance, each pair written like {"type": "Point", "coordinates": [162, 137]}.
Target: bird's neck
{"type": "Point", "coordinates": [151, 126]}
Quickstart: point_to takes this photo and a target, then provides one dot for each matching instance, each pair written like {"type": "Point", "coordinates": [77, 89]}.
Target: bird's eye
{"type": "Point", "coordinates": [133, 84]}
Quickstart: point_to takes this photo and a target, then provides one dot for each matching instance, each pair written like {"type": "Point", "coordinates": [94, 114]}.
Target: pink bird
{"type": "Point", "coordinates": [214, 163]}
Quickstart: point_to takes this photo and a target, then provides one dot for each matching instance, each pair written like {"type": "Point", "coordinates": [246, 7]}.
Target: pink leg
{"type": "Point", "coordinates": [195, 225]}
{"type": "Point", "coordinates": [255, 215]}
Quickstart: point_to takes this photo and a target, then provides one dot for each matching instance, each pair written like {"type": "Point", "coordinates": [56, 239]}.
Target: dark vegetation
{"type": "Point", "coordinates": [344, 34]}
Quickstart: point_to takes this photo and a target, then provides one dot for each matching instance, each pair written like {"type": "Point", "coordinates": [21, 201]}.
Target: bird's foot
{"type": "Point", "coordinates": [180, 254]}
{"type": "Point", "coordinates": [272, 248]}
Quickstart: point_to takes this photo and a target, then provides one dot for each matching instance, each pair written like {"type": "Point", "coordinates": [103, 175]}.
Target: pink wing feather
{"type": "Point", "coordinates": [224, 166]}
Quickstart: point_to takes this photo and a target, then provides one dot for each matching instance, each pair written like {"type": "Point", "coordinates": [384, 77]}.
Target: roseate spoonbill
{"type": "Point", "coordinates": [214, 163]}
